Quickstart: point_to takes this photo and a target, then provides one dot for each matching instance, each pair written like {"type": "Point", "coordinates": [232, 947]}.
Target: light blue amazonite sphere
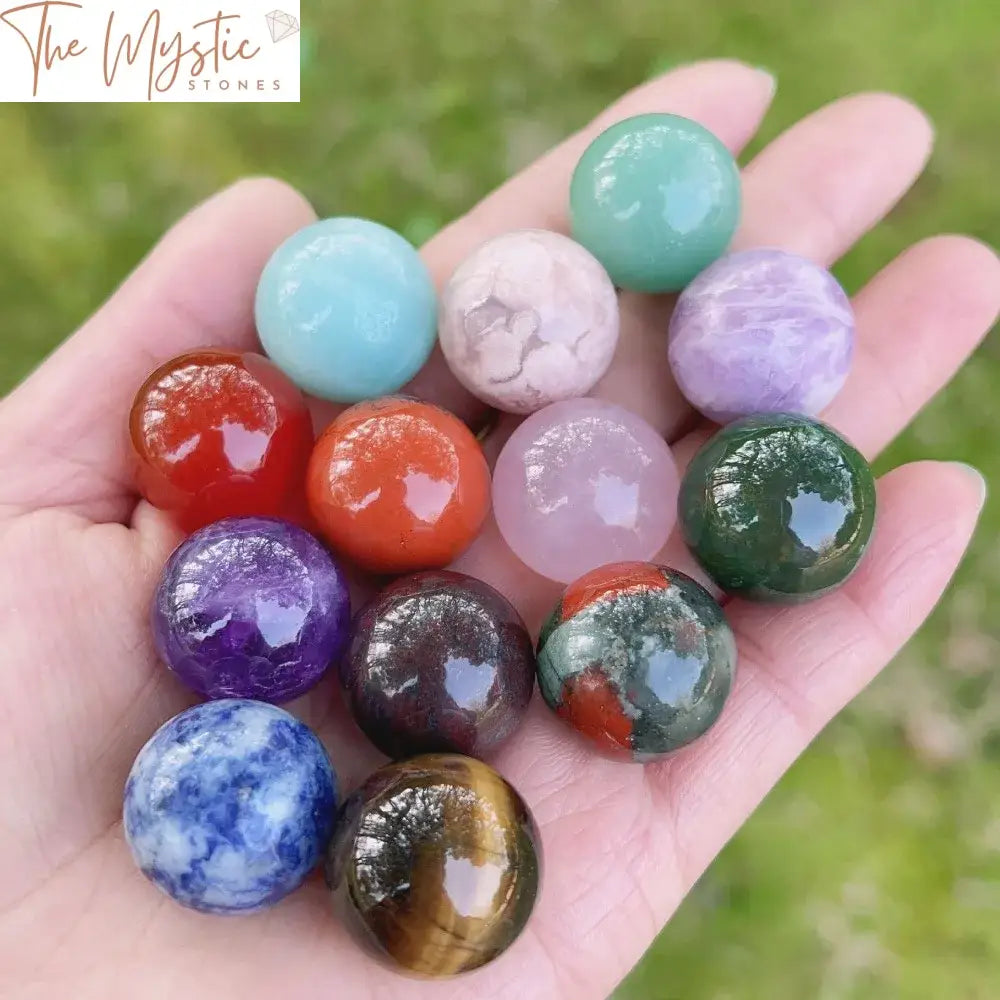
{"type": "Point", "coordinates": [656, 199]}
{"type": "Point", "coordinates": [347, 309]}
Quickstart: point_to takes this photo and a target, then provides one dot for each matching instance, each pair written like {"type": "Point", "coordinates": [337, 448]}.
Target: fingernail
{"type": "Point", "coordinates": [769, 76]}
{"type": "Point", "coordinates": [977, 477]}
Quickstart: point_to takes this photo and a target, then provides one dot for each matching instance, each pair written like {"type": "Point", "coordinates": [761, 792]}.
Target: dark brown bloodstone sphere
{"type": "Point", "coordinates": [435, 864]}
{"type": "Point", "coordinates": [439, 662]}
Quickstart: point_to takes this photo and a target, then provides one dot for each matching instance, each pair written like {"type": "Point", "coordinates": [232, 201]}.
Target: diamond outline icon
{"type": "Point", "coordinates": [281, 25]}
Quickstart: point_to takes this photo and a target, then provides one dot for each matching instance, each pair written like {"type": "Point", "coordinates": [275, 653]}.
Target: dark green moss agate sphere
{"type": "Point", "coordinates": [778, 507]}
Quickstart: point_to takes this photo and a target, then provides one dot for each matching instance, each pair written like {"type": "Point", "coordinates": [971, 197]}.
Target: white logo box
{"type": "Point", "coordinates": [187, 51]}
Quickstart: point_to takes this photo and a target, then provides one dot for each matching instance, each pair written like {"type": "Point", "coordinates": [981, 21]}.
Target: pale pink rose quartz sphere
{"type": "Point", "coordinates": [528, 319]}
{"type": "Point", "coordinates": [583, 483]}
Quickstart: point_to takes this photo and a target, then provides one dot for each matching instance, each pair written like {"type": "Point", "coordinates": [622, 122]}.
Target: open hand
{"type": "Point", "coordinates": [81, 690]}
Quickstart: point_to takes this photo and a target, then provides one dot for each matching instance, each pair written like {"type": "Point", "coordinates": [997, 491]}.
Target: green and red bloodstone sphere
{"type": "Point", "coordinates": [638, 658]}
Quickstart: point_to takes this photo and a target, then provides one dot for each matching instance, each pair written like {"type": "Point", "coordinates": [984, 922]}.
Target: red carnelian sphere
{"type": "Point", "coordinates": [397, 485]}
{"type": "Point", "coordinates": [219, 434]}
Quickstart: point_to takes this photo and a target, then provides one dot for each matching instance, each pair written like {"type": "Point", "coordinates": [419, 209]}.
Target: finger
{"type": "Point", "coordinates": [799, 666]}
{"type": "Point", "coordinates": [918, 320]}
{"type": "Point", "coordinates": [727, 97]}
{"type": "Point", "coordinates": [62, 432]}
{"type": "Point", "coordinates": [902, 357]}
{"type": "Point", "coordinates": [629, 840]}
{"type": "Point", "coordinates": [648, 832]}
{"type": "Point", "coordinates": [815, 190]}
{"type": "Point", "coordinates": [829, 178]}
{"type": "Point", "coordinates": [197, 288]}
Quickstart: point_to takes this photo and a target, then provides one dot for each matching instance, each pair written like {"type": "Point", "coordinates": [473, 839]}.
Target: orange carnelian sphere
{"type": "Point", "coordinates": [398, 485]}
{"type": "Point", "coordinates": [220, 433]}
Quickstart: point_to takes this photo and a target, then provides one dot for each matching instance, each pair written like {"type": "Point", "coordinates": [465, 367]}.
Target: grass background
{"type": "Point", "coordinates": [873, 871]}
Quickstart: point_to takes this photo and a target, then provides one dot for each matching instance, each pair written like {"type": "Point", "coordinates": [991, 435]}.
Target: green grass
{"type": "Point", "coordinates": [873, 871]}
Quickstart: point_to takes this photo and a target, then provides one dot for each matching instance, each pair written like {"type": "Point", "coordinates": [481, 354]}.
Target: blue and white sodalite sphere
{"type": "Point", "coordinates": [347, 309]}
{"type": "Point", "coordinates": [230, 805]}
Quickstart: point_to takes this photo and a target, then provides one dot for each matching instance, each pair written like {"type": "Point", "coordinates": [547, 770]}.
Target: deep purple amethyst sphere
{"type": "Point", "coordinates": [439, 661]}
{"type": "Point", "coordinates": [761, 331]}
{"type": "Point", "coordinates": [251, 607]}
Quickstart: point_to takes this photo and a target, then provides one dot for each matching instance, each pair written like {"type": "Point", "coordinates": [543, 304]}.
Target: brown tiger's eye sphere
{"type": "Point", "coordinates": [435, 863]}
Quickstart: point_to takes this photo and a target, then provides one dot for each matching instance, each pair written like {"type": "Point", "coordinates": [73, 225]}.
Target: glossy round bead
{"type": "Point", "coordinates": [438, 661]}
{"type": "Point", "coordinates": [778, 507]}
{"type": "Point", "coordinates": [398, 485]}
{"type": "Point", "coordinates": [761, 331]}
{"type": "Point", "coordinates": [251, 607]}
{"type": "Point", "coordinates": [655, 198]}
{"type": "Point", "coordinates": [229, 806]}
{"type": "Point", "coordinates": [582, 483]}
{"type": "Point", "coordinates": [435, 864]}
{"type": "Point", "coordinates": [220, 433]}
{"type": "Point", "coordinates": [347, 308]}
{"type": "Point", "coordinates": [528, 319]}
{"type": "Point", "coordinates": [638, 658]}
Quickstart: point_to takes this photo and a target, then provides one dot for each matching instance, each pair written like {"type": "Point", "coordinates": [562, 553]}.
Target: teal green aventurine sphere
{"type": "Point", "coordinates": [656, 199]}
{"type": "Point", "coordinates": [347, 309]}
{"type": "Point", "coordinates": [777, 507]}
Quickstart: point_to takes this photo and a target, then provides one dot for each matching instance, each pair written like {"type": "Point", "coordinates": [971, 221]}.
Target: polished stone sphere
{"type": "Point", "coordinates": [761, 331]}
{"type": "Point", "coordinates": [229, 806]}
{"type": "Point", "coordinates": [438, 661]}
{"type": "Point", "coordinates": [218, 434]}
{"type": "Point", "coordinates": [656, 199]}
{"type": "Point", "coordinates": [778, 507]}
{"type": "Point", "coordinates": [251, 607]}
{"type": "Point", "coordinates": [527, 319]}
{"type": "Point", "coordinates": [638, 658]}
{"type": "Point", "coordinates": [347, 308]}
{"type": "Point", "coordinates": [583, 483]}
{"type": "Point", "coordinates": [435, 864]}
{"type": "Point", "coordinates": [398, 485]}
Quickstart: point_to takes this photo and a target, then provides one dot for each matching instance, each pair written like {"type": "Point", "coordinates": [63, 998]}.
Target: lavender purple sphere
{"type": "Point", "coordinates": [251, 607]}
{"type": "Point", "coordinates": [761, 331]}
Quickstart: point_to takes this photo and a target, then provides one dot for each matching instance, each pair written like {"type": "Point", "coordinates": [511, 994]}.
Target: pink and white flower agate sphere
{"type": "Point", "coordinates": [528, 319]}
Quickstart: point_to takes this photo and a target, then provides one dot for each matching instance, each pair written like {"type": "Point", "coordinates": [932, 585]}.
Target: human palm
{"type": "Point", "coordinates": [81, 690]}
